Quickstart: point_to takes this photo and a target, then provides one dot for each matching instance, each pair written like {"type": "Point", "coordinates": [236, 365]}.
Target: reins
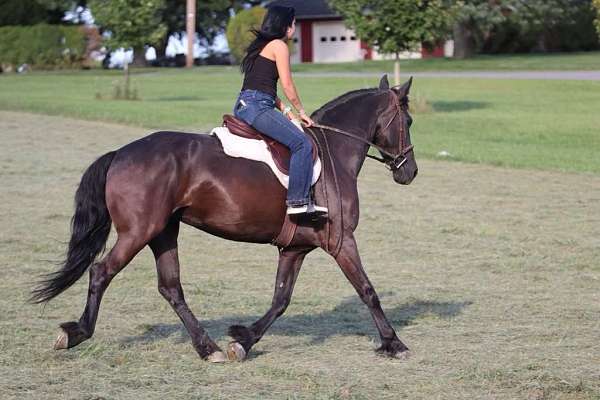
{"type": "Point", "coordinates": [395, 161]}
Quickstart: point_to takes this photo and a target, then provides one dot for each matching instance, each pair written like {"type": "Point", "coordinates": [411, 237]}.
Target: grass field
{"type": "Point", "coordinates": [490, 275]}
{"type": "Point", "coordinates": [525, 124]}
{"type": "Point", "coordinates": [520, 62]}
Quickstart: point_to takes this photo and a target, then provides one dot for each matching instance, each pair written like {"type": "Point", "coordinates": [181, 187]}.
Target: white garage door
{"type": "Point", "coordinates": [333, 42]}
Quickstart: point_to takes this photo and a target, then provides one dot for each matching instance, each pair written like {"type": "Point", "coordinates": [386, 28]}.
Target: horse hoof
{"type": "Point", "coordinates": [62, 341]}
{"type": "Point", "coordinates": [217, 357]}
{"type": "Point", "coordinates": [235, 352]}
{"type": "Point", "coordinates": [404, 355]}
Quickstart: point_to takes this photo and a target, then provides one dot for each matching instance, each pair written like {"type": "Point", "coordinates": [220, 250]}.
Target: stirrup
{"type": "Point", "coordinates": [297, 210]}
{"type": "Point", "coordinates": [315, 209]}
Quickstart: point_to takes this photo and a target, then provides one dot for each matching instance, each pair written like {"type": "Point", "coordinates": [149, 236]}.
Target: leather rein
{"type": "Point", "coordinates": [394, 161]}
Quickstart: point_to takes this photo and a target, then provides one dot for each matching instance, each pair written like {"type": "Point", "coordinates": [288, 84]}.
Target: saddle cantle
{"type": "Point", "coordinates": [280, 153]}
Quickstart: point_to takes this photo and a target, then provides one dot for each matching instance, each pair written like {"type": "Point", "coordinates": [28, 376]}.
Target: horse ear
{"type": "Point", "coordinates": [383, 83]}
{"type": "Point", "coordinates": [404, 90]}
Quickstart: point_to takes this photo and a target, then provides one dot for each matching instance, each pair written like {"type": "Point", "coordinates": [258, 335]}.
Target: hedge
{"type": "Point", "coordinates": [42, 46]}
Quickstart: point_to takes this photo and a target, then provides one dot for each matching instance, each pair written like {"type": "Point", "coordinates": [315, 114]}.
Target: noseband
{"type": "Point", "coordinates": [392, 161]}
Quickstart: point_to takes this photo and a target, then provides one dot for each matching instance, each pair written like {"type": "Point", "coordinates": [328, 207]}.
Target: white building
{"type": "Point", "coordinates": [322, 36]}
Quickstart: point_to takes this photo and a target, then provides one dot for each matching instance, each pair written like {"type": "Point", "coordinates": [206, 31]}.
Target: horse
{"type": "Point", "coordinates": [148, 187]}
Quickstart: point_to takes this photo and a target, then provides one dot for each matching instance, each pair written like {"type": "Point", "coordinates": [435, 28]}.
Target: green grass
{"type": "Point", "coordinates": [524, 62]}
{"type": "Point", "coordinates": [524, 124]}
{"type": "Point", "coordinates": [490, 275]}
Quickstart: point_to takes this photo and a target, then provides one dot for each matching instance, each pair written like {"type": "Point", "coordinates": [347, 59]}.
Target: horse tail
{"type": "Point", "coordinates": [90, 227]}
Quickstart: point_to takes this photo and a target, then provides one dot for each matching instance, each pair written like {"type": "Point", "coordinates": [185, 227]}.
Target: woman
{"type": "Point", "coordinates": [268, 59]}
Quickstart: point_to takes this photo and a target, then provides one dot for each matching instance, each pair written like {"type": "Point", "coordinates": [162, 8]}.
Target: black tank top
{"type": "Point", "coordinates": [262, 76]}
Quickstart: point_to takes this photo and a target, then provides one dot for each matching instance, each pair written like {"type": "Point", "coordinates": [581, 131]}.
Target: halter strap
{"type": "Point", "coordinates": [396, 160]}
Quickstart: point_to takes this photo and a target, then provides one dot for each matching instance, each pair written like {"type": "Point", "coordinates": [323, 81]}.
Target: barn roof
{"type": "Point", "coordinates": [308, 9]}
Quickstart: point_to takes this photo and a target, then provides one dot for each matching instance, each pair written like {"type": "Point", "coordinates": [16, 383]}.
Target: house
{"type": "Point", "coordinates": [322, 36]}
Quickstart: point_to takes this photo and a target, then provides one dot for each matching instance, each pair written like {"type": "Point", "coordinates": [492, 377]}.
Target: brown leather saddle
{"type": "Point", "coordinates": [280, 153]}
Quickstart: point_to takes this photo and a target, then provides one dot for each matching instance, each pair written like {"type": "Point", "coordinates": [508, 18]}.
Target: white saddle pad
{"type": "Point", "coordinates": [253, 149]}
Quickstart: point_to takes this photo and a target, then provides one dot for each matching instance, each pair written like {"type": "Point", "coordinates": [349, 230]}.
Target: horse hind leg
{"type": "Point", "coordinates": [164, 248]}
{"type": "Point", "coordinates": [101, 274]}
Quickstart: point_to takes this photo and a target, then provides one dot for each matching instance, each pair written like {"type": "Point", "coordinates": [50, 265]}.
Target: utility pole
{"type": "Point", "coordinates": [191, 32]}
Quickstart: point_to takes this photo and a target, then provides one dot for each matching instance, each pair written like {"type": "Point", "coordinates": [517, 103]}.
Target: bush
{"type": "Point", "coordinates": [573, 31]}
{"type": "Point", "coordinates": [42, 46]}
{"type": "Point", "coordinates": [239, 35]}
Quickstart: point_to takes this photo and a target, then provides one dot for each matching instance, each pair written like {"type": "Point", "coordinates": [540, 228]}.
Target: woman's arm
{"type": "Point", "coordinates": [286, 110]}
{"type": "Point", "coordinates": [279, 104]}
{"type": "Point", "coordinates": [282, 60]}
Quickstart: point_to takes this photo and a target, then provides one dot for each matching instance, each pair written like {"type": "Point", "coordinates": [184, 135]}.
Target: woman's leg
{"type": "Point", "coordinates": [275, 125]}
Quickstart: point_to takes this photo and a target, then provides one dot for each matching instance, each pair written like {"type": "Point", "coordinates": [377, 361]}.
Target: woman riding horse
{"type": "Point", "coordinates": [267, 59]}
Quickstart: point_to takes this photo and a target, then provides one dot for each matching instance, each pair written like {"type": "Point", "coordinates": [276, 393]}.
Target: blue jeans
{"type": "Point", "coordinates": [257, 108]}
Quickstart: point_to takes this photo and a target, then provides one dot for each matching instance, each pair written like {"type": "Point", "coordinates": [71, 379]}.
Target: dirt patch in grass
{"type": "Point", "coordinates": [490, 275]}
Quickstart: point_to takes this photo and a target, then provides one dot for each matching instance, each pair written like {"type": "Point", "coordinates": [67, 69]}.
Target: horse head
{"type": "Point", "coordinates": [393, 133]}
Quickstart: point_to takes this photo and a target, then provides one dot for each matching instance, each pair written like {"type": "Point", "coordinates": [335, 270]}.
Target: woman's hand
{"type": "Point", "coordinates": [306, 119]}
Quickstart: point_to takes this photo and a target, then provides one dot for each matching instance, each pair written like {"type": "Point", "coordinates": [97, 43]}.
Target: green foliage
{"type": "Point", "coordinates": [518, 26]}
{"type": "Point", "coordinates": [27, 12]}
{"type": "Point", "coordinates": [43, 45]}
{"type": "Point", "coordinates": [474, 19]}
{"type": "Point", "coordinates": [596, 8]}
{"type": "Point", "coordinates": [239, 34]}
{"type": "Point", "coordinates": [132, 23]}
{"type": "Point", "coordinates": [211, 16]}
{"type": "Point", "coordinates": [393, 26]}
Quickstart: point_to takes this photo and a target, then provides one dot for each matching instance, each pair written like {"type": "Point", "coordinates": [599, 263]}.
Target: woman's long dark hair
{"type": "Point", "coordinates": [274, 26]}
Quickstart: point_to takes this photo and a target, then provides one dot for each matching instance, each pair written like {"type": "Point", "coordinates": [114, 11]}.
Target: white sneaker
{"type": "Point", "coordinates": [315, 209]}
{"type": "Point", "coordinates": [297, 210]}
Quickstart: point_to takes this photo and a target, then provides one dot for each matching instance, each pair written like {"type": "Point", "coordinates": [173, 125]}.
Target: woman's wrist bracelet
{"type": "Point", "coordinates": [301, 111]}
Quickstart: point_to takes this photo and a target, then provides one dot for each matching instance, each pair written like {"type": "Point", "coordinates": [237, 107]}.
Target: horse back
{"type": "Point", "coordinates": [165, 172]}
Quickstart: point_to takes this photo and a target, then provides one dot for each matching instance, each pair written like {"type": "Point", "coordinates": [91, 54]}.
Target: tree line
{"type": "Point", "coordinates": [391, 26]}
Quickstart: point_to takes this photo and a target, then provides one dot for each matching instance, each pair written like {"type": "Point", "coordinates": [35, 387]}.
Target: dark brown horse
{"type": "Point", "coordinates": [148, 187]}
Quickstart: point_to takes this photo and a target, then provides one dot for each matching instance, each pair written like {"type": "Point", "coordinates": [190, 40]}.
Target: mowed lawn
{"type": "Point", "coordinates": [584, 61]}
{"type": "Point", "coordinates": [489, 274]}
{"type": "Point", "coordinates": [526, 124]}
{"type": "Point", "coordinates": [487, 265]}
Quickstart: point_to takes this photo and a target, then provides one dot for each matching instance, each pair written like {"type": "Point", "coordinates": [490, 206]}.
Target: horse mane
{"type": "Point", "coordinates": [344, 98]}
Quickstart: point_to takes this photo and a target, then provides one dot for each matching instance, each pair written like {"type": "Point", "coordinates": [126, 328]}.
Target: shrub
{"type": "Point", "coordinates": [239, 34]}
{"type": "Point", "coordinates": [42, 46]}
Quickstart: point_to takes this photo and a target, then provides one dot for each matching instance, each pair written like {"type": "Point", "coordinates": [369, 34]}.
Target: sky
{"type": "Point", "coordinates": [177, 43]}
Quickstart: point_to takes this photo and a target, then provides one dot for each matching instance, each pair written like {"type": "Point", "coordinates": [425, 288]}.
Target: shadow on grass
{"type": "Point", "coordinates": [453, 106]}
{"type": "Point", "coordinates": [350, 318]}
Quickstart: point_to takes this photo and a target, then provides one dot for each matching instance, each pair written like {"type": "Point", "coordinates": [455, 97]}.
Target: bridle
{"type": "Point", "coordinates": [392, 161]}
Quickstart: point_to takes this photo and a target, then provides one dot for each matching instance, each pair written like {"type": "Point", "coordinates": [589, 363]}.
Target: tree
{"type": "Point", "coordinates": [394, 26]}
{"type": "Point", "coordinates": [212, 17]}
{"type": "Point", "coordinates": [131, 23]}
{"type": "Point", "coordinates": [596, 6]}
{"type": "Point", "coordinates": [27, 12]}
{"type": "Point", "coordinates": [539, 17]}
{"type": "Point", "coordinates": [520, 25]}
{"type": "Point", "coordinates": [473, 22]}
{"type": "Point", "coordinates": [59, 7]}
{"type": "Point", "coordinates": [239, 35]}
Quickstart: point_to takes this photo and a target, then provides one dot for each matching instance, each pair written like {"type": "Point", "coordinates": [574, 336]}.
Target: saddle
{"type": "Point", "coordinates": [280, 153]}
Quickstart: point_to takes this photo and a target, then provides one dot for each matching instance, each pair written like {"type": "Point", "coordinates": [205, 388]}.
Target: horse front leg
{"type": "Point", "coordinates": [290, 262]}
{"type": "Point", "coordinates": [349, 261]}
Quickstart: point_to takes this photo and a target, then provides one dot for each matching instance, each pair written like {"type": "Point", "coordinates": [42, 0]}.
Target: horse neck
{"type": "Point", "coordinates": [349, 153]}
